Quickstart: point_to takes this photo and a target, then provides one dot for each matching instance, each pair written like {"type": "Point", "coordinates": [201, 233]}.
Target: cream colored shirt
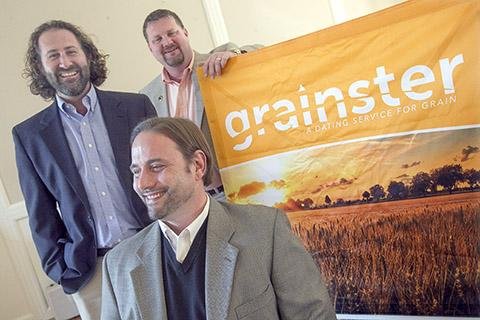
{"type": "Point", "coordinates": [181, 243]}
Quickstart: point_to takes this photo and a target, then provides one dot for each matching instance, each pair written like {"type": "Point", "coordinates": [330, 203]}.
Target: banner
{"type": "Point", "coordinates": [368, 135]}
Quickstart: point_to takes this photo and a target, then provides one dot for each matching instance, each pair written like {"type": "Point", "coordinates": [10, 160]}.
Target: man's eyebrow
{"type": "Point", "coordinates": [51, 51]}
{"type": "Point", "coordinates": [66, 48]}
{"type": "Point", "coordinates": [149, 162]}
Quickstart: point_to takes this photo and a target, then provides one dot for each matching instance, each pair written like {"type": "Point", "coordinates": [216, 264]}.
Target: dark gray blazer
{"type": "Point", "coordinates": [58, 209]}
{"type": "Point", "coordinates": [255, 269]}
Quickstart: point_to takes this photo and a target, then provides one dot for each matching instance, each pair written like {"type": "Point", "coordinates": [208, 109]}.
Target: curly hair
{"type": "Point", "coordinates": [33, 71]}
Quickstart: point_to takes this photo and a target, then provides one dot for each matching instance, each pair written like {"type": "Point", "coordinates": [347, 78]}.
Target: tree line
{"type": "Point", "coordinates": [449, 177]}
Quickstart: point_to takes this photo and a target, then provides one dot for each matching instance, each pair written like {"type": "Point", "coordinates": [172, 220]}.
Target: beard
{"type": "Point", "coordinates": [176, 60]}
{"type": "Point", "coordinates": [69, 88]}
{"type": "Point", "coordinates": [173, 198]}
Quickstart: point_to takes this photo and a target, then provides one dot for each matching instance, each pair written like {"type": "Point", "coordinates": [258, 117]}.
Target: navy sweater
{"type": "Point", "coordinates": [184, 283]}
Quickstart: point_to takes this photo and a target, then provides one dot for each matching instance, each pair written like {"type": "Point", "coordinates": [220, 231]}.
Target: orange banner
{"type": "Point", "coordinates": [412, 67]}
{"type": "Point", "coordinates": [368, 135]}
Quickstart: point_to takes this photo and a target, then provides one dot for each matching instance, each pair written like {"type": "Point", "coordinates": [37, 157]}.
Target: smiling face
{"type": "Point", "coordinates": [64, 63]}
{"type": "Point", "coordinates": [169, 185]}
{"type": "Point", "coordinates": [169, 43]}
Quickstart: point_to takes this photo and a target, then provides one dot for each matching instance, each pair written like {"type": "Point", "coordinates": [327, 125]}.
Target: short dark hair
{"type": "Point", "coordinates": [185, 133]}
{"type": "Point", "coordinates": [33, 71]}
{"type": "Point", "coordinates": [157, 15]}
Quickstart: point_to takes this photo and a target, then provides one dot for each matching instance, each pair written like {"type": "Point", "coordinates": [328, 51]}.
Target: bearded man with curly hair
{"type": "Point", "coordinates": [73, 161]}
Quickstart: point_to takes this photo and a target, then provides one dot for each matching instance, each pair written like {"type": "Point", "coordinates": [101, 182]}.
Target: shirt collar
{"type": "Point", "coordinates": [89, 101]}
{"type": "Point", "coordinates": [192, 228]}
{"type": "Point", "coordinates": [166, 76]}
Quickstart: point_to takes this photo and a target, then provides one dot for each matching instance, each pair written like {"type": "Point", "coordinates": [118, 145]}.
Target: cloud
{"type": "Point", "coordinates": [289, 205]}
{"type": "Point", "coordinates": [278, 184]}
{"type": "Point", "coordinates": [254, 188]}
{"type": "Point", "coordinates": [333, 184]}
{"type": "Point", "coordinates": [344, 181]}
{"type": "Point", "coordinates": [405, 178]}
{"type": "Point", "coordinates": [413, 164]}
{"type": "Point", "coordinates": [466, 152]}
{"type": "Point", "coordinates": [320, 188]}
{"type": "Point", "coordinates": [250, 189]}
{"type": "Point", "coordinates": [232, 197]}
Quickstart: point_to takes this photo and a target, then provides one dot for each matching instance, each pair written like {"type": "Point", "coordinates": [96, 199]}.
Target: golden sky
{"type": "Point", "coordinates": [346, 171]}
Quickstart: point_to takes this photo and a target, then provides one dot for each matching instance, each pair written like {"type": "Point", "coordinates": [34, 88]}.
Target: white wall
{"type": "Point", "coordinates": [115, 26]}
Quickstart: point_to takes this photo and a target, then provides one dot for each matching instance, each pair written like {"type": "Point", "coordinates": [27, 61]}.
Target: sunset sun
{"type": "Point", "coordinates": [269, 196]}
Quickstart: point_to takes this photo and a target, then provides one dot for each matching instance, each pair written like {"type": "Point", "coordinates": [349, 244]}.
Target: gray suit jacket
{"type": "Point", "coordinates": [255, 269]}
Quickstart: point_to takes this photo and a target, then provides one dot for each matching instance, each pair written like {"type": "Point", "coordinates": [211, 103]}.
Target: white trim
{"type": "Point", "coordinates": [216, 23]}
{"type": "Point", "coordinates": [26, 317]}
{"type": "Point", "coordinates": [337, 9]}
{"type": "Point", "coordinates": [21, 260]}
{"type": "Point", "coordinates": [4, 201]}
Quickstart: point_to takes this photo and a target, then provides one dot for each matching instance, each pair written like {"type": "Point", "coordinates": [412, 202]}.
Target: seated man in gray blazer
{"type": "Point", "coordinates": [175, 92]}
{"type": "Point", "coordinates": [203, 259]}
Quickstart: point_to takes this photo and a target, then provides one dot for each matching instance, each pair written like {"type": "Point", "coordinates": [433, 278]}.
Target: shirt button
{"type": "Point", "coordinates": [84, 123]}
{"type": "Point", "coordinates": [110, 217]}
{"type": "Point", "coordinates": [103, 193]}
{"type": "Point", "coordinates": [90, 145]}
{"type": "Point", "coordinates": [96, 168]}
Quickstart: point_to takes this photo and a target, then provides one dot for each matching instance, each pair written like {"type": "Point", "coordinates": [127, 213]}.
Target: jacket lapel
{"type": "Point", "coordinates": [199, 107]}
{"type": "Point", "coordinates": [147, 277]}
{"type": "Point", "coordinates": [159, 98]}
{"type": "Point", "coordinates": [221, 258]}
{"type": "Point", "coordinates": [54, 137]}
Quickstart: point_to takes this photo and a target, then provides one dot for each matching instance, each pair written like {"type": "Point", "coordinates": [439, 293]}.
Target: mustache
{"type": "Point", "coordinates": [170, 47]}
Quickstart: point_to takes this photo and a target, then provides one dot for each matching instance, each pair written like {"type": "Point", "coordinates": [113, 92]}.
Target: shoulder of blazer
{"type": "Point", "coordinates": [153, 86]}
{"type": "Point", "coordinates": [118, 95]}
{"type": "Point", "coordinates": [122, 101]}
{"type": "Point", "coordinates": [38, 120]}
{"type": "Point", "coordinates": [140, 244]}
{"type": "Point", "coordinates": [199, 59]}
{"type": "Point", "coordinates": [245, 219]}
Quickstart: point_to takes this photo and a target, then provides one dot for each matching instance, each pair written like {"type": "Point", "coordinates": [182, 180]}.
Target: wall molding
{"type": "Point", "coordinates": [337, 10]}
{"type": "Point", "coordinates": [26, 317]}
{"type": "Point", "coordinates": [17, 244]}
{"type": "Point", "coordinates": [216, 23]}
{"type": "Point", "coordinates": [4, 201]}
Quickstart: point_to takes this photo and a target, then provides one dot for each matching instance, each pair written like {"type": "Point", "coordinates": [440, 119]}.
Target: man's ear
{"type": "Point", "coordinates": [185, 32]}
{"type": "Point", "coordinates": [199, 161]}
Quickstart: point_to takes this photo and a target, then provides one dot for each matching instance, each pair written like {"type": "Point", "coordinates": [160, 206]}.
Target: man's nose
{"type": "Point", "coordinates": [65, 61]}
{"type": "Point", "coordinates": [144, 181]}
{"type": "Point", "coordinates": [166, 41]}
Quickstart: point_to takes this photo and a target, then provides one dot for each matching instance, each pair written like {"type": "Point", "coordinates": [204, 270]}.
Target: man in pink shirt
{"type": "Point", "coordinates": [175, 92]}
